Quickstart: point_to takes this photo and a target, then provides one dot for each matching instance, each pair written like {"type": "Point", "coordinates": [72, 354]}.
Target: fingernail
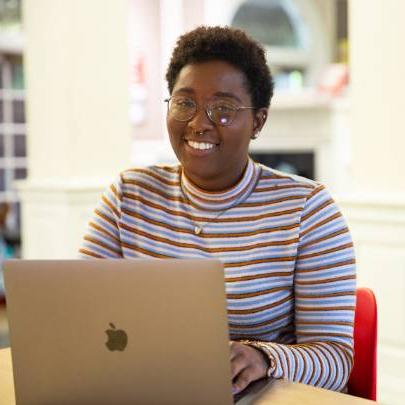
{"type": "Point", "coordinates": [234, 390]}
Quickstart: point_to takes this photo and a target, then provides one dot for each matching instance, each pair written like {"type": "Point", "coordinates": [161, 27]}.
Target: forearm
{"type": "Point", "coordinates": [323, 364]}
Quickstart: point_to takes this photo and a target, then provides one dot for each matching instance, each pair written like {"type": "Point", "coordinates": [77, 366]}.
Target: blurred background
{"type": "Point", "coordinates": [81, 98]}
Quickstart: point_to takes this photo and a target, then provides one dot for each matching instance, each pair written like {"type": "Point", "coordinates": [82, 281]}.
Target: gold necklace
{"type": "Point", "coordinates": [198, 229]}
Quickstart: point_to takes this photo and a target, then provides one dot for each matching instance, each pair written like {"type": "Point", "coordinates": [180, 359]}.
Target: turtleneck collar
{"type": "Point", "coordinates": [224, 199]}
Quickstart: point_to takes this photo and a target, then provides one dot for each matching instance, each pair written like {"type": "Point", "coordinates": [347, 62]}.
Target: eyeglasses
{"type": "Point", "coordinates": [220, 112]}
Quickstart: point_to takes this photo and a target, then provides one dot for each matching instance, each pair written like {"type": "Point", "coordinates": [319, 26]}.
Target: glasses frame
{"type": "Point", "coordinates": [208, 111]}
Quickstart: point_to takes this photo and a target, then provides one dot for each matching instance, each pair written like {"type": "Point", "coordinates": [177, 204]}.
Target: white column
{"type": "Point", "coordinates": [76, 67]}
{"type": "Point", "coordinates": [376, 208]}
{"type": "Point", "coordinates": [154, 26]}
{"type": "Point", "coordinates": [377, 61]}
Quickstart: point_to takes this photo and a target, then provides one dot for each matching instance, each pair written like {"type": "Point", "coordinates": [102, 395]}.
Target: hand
{"type": "Point", "coordinates": [247, 365]}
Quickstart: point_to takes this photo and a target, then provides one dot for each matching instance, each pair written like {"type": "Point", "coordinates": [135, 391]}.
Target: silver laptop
{"type": "Point", "coordinates": [118, 332]}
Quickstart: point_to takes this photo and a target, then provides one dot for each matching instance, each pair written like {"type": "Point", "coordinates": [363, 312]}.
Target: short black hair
{"type": "Point", "coordinates": [230, 45]}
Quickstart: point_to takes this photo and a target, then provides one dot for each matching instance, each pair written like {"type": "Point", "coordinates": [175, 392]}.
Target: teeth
{"type": "Point", "coordinates": [200, 145]}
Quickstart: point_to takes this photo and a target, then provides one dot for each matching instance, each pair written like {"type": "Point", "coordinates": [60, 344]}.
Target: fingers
{"type": "Point", "coordinates": [242, 381]}
{"type": "Point", "coordinates": [236, 348]}
{"type": "Point", "coordinates": [247, 365]}
{"type": "Point", "coordinates": [238, 363]}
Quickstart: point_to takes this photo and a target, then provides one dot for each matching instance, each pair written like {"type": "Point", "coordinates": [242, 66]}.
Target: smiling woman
{"type": "Point", "coordinates": [212, 144]}
{"type": "Point", "coordinates": [286, 250]}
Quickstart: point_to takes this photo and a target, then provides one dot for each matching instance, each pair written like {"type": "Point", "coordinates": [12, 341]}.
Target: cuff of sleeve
{"type": "Point", "coordinates": [262, 347]}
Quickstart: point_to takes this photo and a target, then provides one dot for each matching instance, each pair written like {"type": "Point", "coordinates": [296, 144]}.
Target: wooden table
{"type": "Point", "coordinates": [281, 392]}
{"type": "Point", "coordinates": [6, 378]}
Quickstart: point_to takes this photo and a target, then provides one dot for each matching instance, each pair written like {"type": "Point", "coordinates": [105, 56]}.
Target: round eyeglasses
{"type": "Point", "coordinates": [220, 112]}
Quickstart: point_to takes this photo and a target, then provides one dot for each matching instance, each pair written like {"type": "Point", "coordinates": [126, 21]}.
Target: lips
{"type": "Point", "coordinates": [200, 146]}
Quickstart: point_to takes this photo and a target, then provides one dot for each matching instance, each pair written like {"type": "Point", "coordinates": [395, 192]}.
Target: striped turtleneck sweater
{"type": "Point", "coordinates": [286, 250]}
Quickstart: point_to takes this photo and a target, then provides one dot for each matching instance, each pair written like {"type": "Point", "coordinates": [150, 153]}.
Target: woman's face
{"type": "Point", "coordinates": [213, 156]}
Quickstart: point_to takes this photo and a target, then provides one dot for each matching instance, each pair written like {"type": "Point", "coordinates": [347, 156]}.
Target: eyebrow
{"type": "Point", "coordinates": [226, 94]}
{"type": "Point", "coordinates": [184, 90]}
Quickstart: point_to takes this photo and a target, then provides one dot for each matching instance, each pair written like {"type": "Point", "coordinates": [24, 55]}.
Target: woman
{"type": "Point", "coordinates": [287, 253]}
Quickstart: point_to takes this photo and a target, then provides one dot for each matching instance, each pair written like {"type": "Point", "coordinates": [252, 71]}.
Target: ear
{"type": "Point", "coordinates": [259, 119]}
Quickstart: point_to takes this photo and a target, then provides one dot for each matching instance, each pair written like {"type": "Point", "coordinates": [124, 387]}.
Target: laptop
{"type": "Point", "coordinates": [119, 332]}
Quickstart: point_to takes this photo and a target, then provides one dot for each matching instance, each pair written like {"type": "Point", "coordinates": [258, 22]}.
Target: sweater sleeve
{"type": "Point", "coordinates": [102, 239]}
{"type": "Point", "coordinates": [324, 289]}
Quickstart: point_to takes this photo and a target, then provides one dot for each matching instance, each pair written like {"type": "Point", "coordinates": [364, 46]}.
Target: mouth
{"type": "Point", "coordinates": [201, 147]}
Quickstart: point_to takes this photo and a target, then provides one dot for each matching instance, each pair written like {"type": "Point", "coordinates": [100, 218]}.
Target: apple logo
{"type": "Point", "coordinates": [117, 338]}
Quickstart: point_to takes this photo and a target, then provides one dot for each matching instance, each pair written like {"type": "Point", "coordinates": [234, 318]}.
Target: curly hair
{"type": "Point", "coordinates": [229, 45]}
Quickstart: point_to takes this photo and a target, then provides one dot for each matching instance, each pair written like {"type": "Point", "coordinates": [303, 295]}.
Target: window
{"type": "Point", "coordinates": [13, 154]}
{"type": "Point", "coordinates": [293, 34]}
{"type": "Point", "coordinates": [268, 22]}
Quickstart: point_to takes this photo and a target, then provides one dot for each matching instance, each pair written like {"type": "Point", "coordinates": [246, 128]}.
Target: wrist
{"type": "Point", "coordinates": [267, 357]}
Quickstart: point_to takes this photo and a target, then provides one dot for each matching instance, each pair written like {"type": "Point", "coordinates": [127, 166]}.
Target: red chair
{"type": "Point", "coordinates": [363, 378]}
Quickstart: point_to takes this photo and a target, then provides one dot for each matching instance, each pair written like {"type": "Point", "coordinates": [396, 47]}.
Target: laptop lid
{"type": "Point", "coordinates": [118, 331]}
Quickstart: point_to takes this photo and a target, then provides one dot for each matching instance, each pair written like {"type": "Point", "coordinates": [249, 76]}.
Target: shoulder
{"type": "Point", "coordinates": [150, 178]}
{"type": "Point", "coordinates": [275, 180]}
{"type": "Point", "coordinates": [159, 173]}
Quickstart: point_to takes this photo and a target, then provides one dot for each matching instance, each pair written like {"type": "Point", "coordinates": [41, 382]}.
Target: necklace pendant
{"type": "Point", "coordinates": [197, 230]}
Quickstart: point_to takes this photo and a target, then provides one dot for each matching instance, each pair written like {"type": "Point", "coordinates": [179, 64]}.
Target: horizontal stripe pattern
{"type": "Point", "coordinates": [287, 253]}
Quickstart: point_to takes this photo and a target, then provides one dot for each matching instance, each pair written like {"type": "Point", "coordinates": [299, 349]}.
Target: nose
{"type": "Point", "coordinates": [200, 122]}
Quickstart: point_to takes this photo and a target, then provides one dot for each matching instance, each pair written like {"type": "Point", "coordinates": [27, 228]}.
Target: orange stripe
{"type": "Point", "coordinates": [326, 251]}
{"type": "Point", "coordinates": [205, 234]}
{"type": "Point", "coordinates": [316, 190]}
{"type": "Point", "coordinates": [253, 334]}
{"type": "Point", "coordinates": [287, 359]}
{"type": "Point", "coordinates": [90, 253]}
{"type": "Point", "coordinates": [112, 207]}
{"type": "Point", "coordinates": [172, 242]}
{"type": "Point", "coordinates": [328, 295]}
{"type": "Point", "coordinates": [145, 251]}
{"type": "Point", "coordinates": [326, 267]}
{"type": "Point", "coordinates": [331, 334]}
{"type": "Point", "coordinates": [286, 187]}
{"type": "Point", "coordinates": [272, 202]}
{"type": "Point", "coordinates": [317, 309]}
{"type": "Point", "coordinates": [331, 366]}
{"type": "Point", "coordinates": [153, 190]}
{"type": "Point", "coordinates": [317, 209]}
{"type": "Point", "coordinates": [326, 280]}
{"type": "Point", "coordinates": [105, 232]}
{"type": "Point", "coordinates": [326, 237]}
{"type": "Point", "coordinates": [264, 323]}
{"type": "Point", "coordinates": [319, 224]}
{"type": "Point", "coordinates": [157, 177]}
{"type": "Point", "coordinates": [102, 244]}
{"type": "Point", "coordinates": [322, 373]}
{"type": "Point", "coordinates": [324, 323]}
{"type": "Point", "coordinates": [256, 293]}
{"type": "Point", "coordinates": [195, 218]}
{"type": "Point", "coordinates": [115, 192]}
{"type": "Point", "coordinates": [308, 351]}
{"type": "Point", "coordinates": [255, 310]}
{"type": "Point", "coordinates": [259, 276]}
{"type": "Point", "coordinates": [296, 365]}
{"type": "Point", "coordinates": [259, 261]}
{"type": "Point", "coordinates": [105, 217]}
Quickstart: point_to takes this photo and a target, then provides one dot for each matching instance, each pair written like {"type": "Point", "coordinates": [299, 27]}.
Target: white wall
{"type": "Point", "coordinates": [376, 206]}
{"type": "Point", "coordinates": [76, 68]}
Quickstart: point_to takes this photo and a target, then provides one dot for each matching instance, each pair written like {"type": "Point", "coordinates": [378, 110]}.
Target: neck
{"type": "Point", "coordinates": [218, 184]}
{"type": "Point", "coordinates": [224, 198]}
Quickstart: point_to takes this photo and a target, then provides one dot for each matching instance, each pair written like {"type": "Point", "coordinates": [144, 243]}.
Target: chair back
{"type": "Point", "coordinates": [363, 378]}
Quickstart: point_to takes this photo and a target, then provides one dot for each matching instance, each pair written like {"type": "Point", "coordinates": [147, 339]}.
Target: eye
{"type": "Point", "coordinates": [183, 102]}
{"type": "Point", "coordinates": [223, 108]}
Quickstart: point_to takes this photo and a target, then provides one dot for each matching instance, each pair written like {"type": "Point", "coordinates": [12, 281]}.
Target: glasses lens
{"type": "Point", "coordinates": [182, 108]}
{"type": "Point", "coordinates": [222, 113]}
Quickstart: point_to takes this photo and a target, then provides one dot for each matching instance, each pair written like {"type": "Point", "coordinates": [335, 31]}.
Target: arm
{"type": "Point", "coordinates": [324, 301]}
{"type": "Point", "coordinates": [102, 239]}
